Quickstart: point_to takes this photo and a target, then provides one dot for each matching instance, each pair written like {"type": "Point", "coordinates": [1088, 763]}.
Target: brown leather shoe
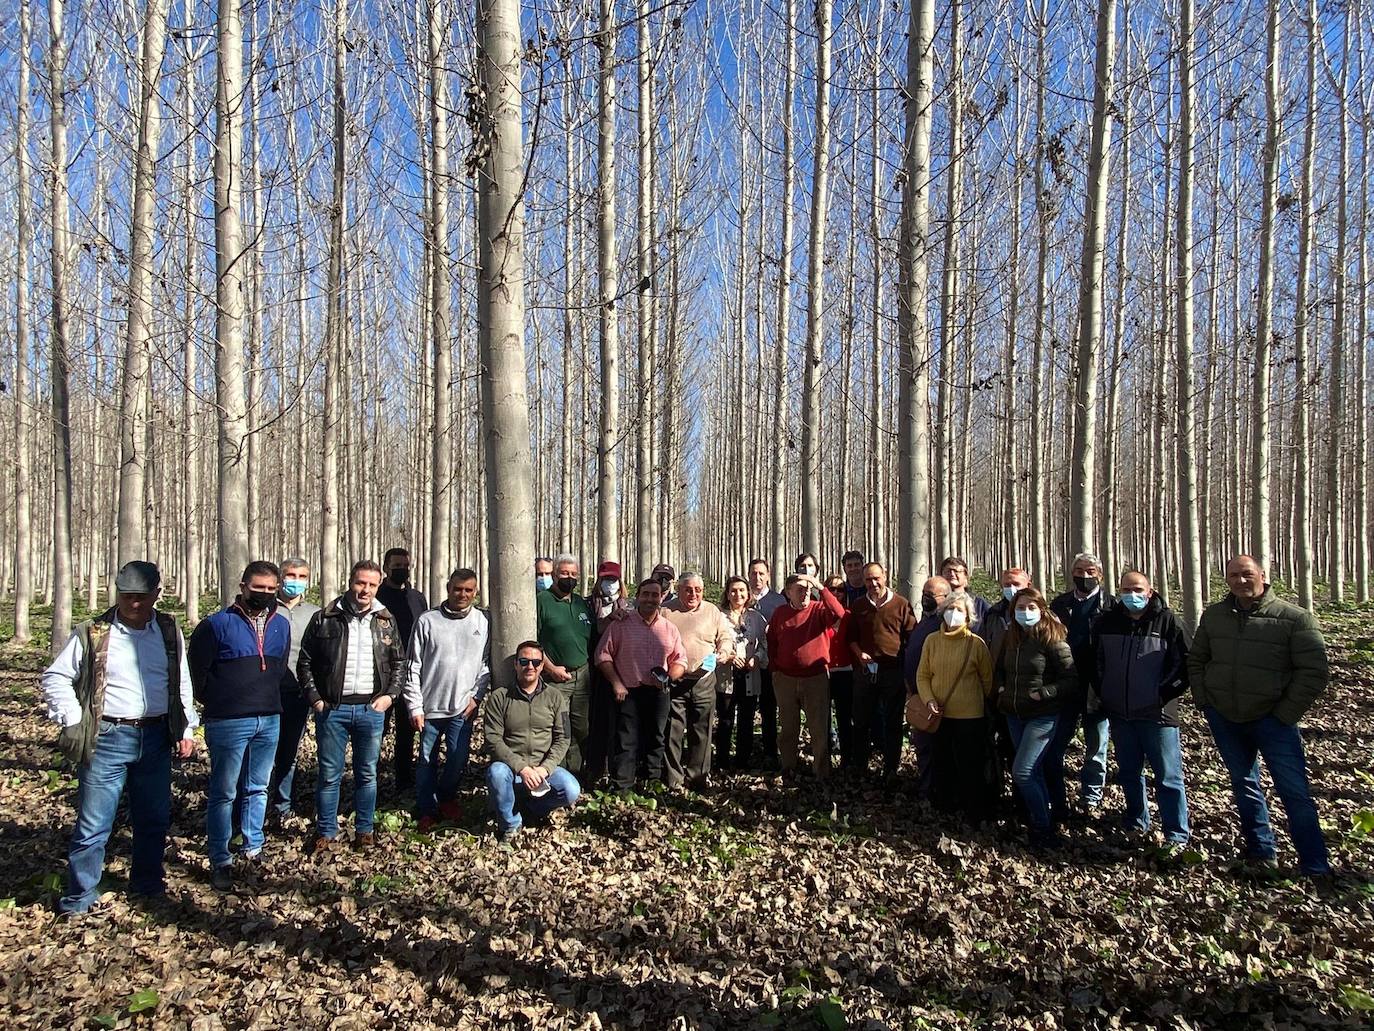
{"type": "Point", "coordinates": [363, 842]}
{"type": "Point", "coordinates": [322, 845]}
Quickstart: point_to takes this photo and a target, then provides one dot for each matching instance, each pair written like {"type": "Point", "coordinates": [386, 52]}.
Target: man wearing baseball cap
{"type": "Point", "coordinates": [120, 690]}
{"type": "Point", "coordinates": [607, 603]}
{"type": "Point", "coordinates": [665, 575]}
{"type": "Point", "coordinates": [566, 632]}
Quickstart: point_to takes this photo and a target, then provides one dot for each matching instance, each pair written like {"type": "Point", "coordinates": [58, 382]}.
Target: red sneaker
{"type": "Point", "coordinates": [452, 810]}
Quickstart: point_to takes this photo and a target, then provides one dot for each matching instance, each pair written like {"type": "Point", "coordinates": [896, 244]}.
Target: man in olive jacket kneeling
{"type": "Point", "coordinates": [1257, 665]}
{"type": "Point", "coordinates": [527, 731]}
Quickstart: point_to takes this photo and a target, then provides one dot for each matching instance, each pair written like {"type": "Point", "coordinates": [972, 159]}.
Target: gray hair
{"type": "Point", "coordinates": [565, 556]}
{"type": "Point", "coordinates": [1088, 558]}
{"type": "Point", "coordinates": [294, 562]}
{"type": "Point", "coordinates": [691, 576]}
{"type": "Point", "coordinates": [963, 600]}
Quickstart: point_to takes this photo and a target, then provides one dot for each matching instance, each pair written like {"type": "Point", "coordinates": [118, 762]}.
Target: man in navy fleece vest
{"type": "Point", "coordinates": [238, 658]}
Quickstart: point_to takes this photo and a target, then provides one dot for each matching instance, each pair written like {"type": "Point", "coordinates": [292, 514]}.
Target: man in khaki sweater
{"type": "Point", "coordinates": [707, 639]}
{"type": "Point", "coordinates": [879, 624]}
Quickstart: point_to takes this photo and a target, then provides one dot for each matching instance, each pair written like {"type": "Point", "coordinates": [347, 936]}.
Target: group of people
{"type": "Point", "coordinates": [658, 686]}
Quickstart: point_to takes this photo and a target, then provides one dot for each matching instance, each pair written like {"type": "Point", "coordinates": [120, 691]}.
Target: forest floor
{"type": "Point", "coordinates": [755, 906]}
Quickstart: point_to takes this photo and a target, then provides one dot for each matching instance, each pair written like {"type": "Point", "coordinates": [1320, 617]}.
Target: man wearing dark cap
{"type": "Point", "coordinates": [121, 692]}
{"type": "Point", "coordinates": [566, 632]}
{"type": "Point", "coordinates": [607, 603]}
{"type": "Point", "coordinates": [665, 575]}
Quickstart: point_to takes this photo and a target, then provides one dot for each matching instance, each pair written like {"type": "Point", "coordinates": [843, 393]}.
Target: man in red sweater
{"type": "Point", "coordinates": [879, 624]}
{"type": "Point", "coordinates": [798, 653]}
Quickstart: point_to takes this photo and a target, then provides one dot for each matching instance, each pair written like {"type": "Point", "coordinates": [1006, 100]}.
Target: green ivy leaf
{"type": "Point", "coordinates": [147, 999]}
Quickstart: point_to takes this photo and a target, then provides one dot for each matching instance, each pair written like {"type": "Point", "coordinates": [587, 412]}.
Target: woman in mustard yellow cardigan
{"type": "Point", "coordinates": [955, 674]}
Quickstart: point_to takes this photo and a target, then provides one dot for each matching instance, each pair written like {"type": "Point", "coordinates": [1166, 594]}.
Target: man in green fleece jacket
{"type": "Point", "coordinates": [1256, 666]}
{"type": "Point", "coordinates": [527, 730]}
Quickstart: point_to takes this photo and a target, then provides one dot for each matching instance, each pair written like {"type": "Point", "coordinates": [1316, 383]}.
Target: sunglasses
{"type": "Point", "coordinates": [525, 663]}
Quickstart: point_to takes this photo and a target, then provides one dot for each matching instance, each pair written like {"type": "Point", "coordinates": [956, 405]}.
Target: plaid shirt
{"type": "Point", "coordinates": [634, 647]}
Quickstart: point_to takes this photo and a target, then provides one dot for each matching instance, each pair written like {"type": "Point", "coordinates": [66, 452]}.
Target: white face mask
{"type": "Point", "coordinates": [609, 587]}
{"type": "Point", "coordinates": [955, 617]}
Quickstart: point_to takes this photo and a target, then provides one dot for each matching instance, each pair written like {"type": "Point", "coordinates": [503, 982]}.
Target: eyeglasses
{"type": "Point", "coordinates": [525, 663]}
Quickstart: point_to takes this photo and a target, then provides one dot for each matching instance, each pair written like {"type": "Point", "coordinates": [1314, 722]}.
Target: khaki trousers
{"type": "Point", "coordinates": [797, 695]}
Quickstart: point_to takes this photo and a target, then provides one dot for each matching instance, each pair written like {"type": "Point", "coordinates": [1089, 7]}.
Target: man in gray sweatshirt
{"type": "Point", "coordinates": [448, 674]}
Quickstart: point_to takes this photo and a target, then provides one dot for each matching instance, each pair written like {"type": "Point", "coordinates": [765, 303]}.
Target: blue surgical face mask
{"type": "Point", "coordinates": [1009, 592]}
{"type": "Point", "coordinates": [543, 581]}
{"type": "Point", "coordinates": [1135, 602]}
{"type": "Point", "coordinates": [1028, 617]}
{"type": "Point", "coordinates": [294, 588]}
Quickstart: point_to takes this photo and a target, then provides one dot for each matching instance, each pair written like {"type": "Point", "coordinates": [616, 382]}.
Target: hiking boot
{"type": "Point", "coordinates": [427, 824]}
{"type": "Point", "coordinates": [505, 840]}
{"type": "Point", "coordinates": [222, 878]}
{"type": "Point", "coordinates": [322, 845]}
{"type": "Point", "coordinates": [364, 842]}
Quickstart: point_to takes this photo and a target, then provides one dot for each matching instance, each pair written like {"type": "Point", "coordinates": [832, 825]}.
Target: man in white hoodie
{"type": "Point", "coordinates": [447, 676]}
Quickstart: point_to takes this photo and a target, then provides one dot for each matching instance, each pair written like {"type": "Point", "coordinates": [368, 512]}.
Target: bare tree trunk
{"type": "Point", "coordinates": [441, 458]}
{"type": "Point", "coordinates": [1083, 485]}
{"type": "Point", "coordinates": [945, 503]}
{"type": "Point", "coordinates": [190, 587]}
{"type": "Point", "coordinates": [607, 506]}
{"type": "Point", "coordinates": [645, 251]}
{"type": "Point", "coordinates": [23, 467]}
{"type": "Point", "coordinates": [567, 508]}
{"type": "Point", "coordinates": [1335, 478]}
{"type": "Point", "coordinates": [784, 320]}
{"type": "Point", "coordinates": [1302, 474]}
{"type": "Point", "coordinates": [1041, 570]}
{"type": "Point", "coordinates": [1111, 443]}
{"type": "Point", "coordinates": [1360, 529]}
{"type": "Point", "coordinates": [501, 330]}
{"type": "Point", "coordinates": [1187, 469]}
{"type": "Point", "coordinates": [877, 527]}
{"type": "Point", "coordinates": [331, 571]}
{"type": "Point", "coordinates": [815, 287]}
{"type": "Point", "coordinates": [60, 363]}
{"type": "Point", "coordinates": [913, 428]}
{"type": "Point", "coordinates": [133, 414]}
{"type": "Point", "coordinates": [1264, 302]}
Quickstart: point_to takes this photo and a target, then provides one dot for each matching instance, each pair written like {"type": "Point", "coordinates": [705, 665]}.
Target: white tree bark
{"type": "Point", "coordinates": [913, 427]}
{"type": "Point", "coordinates": [133, 416]}
{"type": "Point", "coordinates": [191, 555]}
{"type": "Point", "coordinates": [1335, 475]}
{"type": "Point", "coordinates": [645, 252]}
{"type": "Point", "coordinates": [23, 436]}
{"type": "Point", "coordinates": [815, 288]}
{"type": "Point", "coordinates": [784, 312]}
{"type": "Point", "coordinates": [1083, 484]}
{"type": "Point", "coordinates": [1302, 415]}
{"type": "Point", "coordinates": [331, 568]}
{"type": "Point", "coordinates": [441, 455]}
{"type": "Point", "coordinates": [607, 504]}
{"type": "Point", "coordinates": [501, 331]}
{"type": "Point", "coordinates": [1264, 302]}
{"type": "Point", "coordinates": [1187, 467]}
{"type": "Point", "coordinates": [60, 360]}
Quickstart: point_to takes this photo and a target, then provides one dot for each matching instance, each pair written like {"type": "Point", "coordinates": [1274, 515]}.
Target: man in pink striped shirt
{"type": "Point", "coordinates": [640, 656]}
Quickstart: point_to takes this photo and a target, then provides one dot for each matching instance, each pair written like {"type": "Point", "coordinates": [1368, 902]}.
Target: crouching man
{"type": "Point", "coordinates": [527, 729]}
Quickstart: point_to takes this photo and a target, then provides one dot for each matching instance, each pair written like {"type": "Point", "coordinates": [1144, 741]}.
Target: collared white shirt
{"type": "Point", "coordinates": [135, 677]}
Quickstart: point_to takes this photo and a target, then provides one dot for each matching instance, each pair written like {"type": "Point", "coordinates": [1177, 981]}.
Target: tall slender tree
{"type": "Point", "coordinates": [607, 503]}
{"type": "Point", "coordinates": [501, 327]}
{"type": "Point", "coordinates": [1187, 467]}
{"type": "Point", "coordinates": [23, 456]}
{"type": "Point", "coordinates": [441, 399]}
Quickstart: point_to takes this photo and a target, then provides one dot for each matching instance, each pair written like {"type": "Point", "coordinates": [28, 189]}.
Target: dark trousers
{"type": "Point", "coordinates": [281, 790]}
{"type": "Point", "coordinates": [883, 694]}
{"type": "Point", "coordinates": [405, 744]}
{"type": "Point", "coordinates": [641, 725]}
{"type": "Point", "coordinates": [957, 762]}
{"type": "Point", "coordinates": [842, 699]}
{"type": "Point", "coordinates": [602, 716]}
{"type": "Point", "coordinates": [768, 711]}
{"type": "Point", "coordinates": [578, 693]}
{"type": "Point", "coordinates": [688, 757]}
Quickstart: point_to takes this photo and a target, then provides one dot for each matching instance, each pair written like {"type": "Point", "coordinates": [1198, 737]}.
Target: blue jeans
{"type": "Point", "coordinates": [437, 780]}
{"type": "Point", "coordinates": [1092, 779]}
{"type": "Point", "coordinates": [1034, 740]}
{"type": "Point", "coordinates": [294, 711]}
{"type": "Point", "coordinates": [1241, 745]}
{"type": "Point", "coordinates": [334, 729]}
{"type": "Point", "coordinates": [1139, 741]}
{"type": "Point", "coordinates": [508, 792]}
{"type": "Point", "coordinates": [140, 757]}
{"type": "Point", "coordinates": [241, 753]}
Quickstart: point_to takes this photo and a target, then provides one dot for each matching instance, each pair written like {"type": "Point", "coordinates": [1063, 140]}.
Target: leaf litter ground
{"type": "Point", "coordinates": [757, 905]}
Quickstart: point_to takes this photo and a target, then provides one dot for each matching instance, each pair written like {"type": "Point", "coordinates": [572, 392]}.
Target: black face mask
{"type": "Point", "coordinates": [566, 584]}
{"type": "Point", "coordinates": [258, 601]}
{"type": "Point", "coordinates": [928, 604]}
{"type": "Point", "coordinates": [1085, 584]}
{"type": "Point", "coordinates": [399, 576]}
